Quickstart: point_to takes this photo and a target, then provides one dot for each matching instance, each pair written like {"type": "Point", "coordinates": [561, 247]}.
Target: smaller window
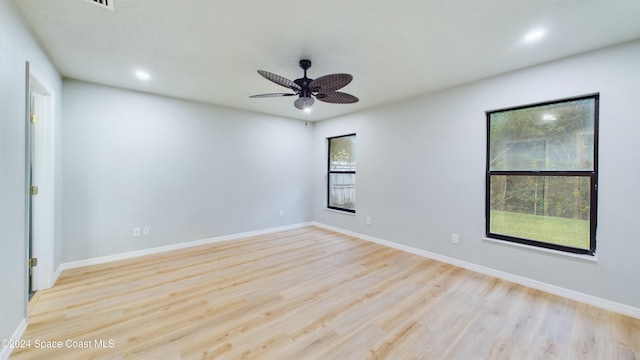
{"type": "Point", "coordinates": [341, 174]}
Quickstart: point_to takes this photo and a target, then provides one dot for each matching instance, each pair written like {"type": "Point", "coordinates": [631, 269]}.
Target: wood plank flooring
{"type": "Point", "coordinates": [310, 294]}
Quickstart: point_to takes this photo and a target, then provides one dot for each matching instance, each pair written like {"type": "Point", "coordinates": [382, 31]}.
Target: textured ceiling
{"type": "Point", "coordinates": [209, 50]}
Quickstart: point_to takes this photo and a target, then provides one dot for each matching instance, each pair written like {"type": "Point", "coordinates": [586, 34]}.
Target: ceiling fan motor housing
{"type": "Point", "coordinates": [304, 84]}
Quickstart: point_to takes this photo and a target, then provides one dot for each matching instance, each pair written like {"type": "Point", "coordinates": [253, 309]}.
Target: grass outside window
{"type": "Point", "coordinates": [552, 229]}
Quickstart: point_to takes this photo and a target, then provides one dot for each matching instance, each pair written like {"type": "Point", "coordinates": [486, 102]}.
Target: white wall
{"type": "Point", "coordinates": [187, 170]}
{"type": "Point", "coordinates": [18, 45]}
{"type": "Point", "coordinates": [421, 166]}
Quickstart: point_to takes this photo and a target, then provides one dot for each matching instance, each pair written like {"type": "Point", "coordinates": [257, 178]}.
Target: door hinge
{"type": "Point", "coordinates": [33, 118]}
{"type": "Point", "coordinates": [33, 262]}
{"type": "Point", "coordinates": [33, 190]}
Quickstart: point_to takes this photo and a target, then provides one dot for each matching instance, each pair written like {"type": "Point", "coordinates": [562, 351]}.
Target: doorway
{"type": "Point", "coordinates": [40, 178]}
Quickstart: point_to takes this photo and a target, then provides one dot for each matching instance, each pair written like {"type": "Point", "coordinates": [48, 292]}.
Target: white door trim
{"type": "Point", "coordinates": [44, 160]}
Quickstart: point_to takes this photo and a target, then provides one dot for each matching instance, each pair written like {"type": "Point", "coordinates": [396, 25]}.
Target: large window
{"type": "Point", "coordinates": [542, 174]}
{"type": "Point", "coordinates": [341, 177]}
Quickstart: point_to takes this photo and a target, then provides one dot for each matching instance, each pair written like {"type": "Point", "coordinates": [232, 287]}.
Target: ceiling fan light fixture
{"type": "Point", "coordinates": [304, 103]}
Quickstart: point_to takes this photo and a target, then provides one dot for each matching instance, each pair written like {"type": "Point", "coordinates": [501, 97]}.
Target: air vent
{"type": "Point", "coordinates": [106, 4]}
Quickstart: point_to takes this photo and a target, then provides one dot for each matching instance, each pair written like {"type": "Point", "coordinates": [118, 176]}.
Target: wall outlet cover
{"type": "Point", "coordinates": [455, 238]}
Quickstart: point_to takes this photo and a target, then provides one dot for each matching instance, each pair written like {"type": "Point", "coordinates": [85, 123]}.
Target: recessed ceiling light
{"type": "Point", "coordinates": [143, 75]}
{"type": "Point", "coordinates": [534, 36]}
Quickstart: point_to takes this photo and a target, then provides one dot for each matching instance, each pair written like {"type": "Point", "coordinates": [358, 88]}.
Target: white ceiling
{"type": "Point", "coordinates": [209, 50]}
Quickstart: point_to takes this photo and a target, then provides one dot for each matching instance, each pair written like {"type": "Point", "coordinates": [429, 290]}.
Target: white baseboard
{"type": "Point", "coordinates": [535, 284]}
{"type": "Point", "coordinates": [156, 250]}
{"type": "Point", "coordinates": [56, 275]}
{"type": "Point", "coordinates": [5, 352]}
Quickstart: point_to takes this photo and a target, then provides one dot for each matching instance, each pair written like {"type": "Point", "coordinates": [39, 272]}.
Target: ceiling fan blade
{"type": "Point", "coordinates": [330, 83]}
{"type": "Point", "coordinates": [271, 95]}
{"type": "Point", "coordinates": [337, 97]}
{"type": "Point", "coordinates": [282, 81]}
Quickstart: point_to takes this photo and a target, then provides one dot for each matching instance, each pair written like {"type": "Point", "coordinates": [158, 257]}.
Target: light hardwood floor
{"type": "Point", "coordinates": [311, 294]}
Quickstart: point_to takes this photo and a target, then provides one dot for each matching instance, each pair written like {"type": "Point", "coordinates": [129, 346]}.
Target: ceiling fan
{"type": "Point", "coordinates": [323, 88]}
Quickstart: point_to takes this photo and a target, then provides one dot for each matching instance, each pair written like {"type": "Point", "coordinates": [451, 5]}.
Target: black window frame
{"type": "Point", "coordinates": [329, 172]}
{"type": "Point", "coordinates": [591, 174]}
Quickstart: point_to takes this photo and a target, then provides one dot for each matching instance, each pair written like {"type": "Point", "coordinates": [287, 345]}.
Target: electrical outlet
{"type": "Point", "coordinates": [146, 230]}
{"type": "Point", "coordinates": [368, 220]}
{"type": "Point", "coordinates": [281, 213]}
{"type": "Point", "coordinates": [136, 232]}
{"type": "Point", "coordinates": [455, 238]}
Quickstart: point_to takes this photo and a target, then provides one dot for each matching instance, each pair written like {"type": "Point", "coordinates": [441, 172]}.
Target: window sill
{"type": "Point", "coordinates": [339, 211]}
{"type": "Point", "coordinates": [586, 258]}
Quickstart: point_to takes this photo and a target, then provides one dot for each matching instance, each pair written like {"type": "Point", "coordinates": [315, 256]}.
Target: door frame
{"type": "Point", "coordinates": [40, 219]}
